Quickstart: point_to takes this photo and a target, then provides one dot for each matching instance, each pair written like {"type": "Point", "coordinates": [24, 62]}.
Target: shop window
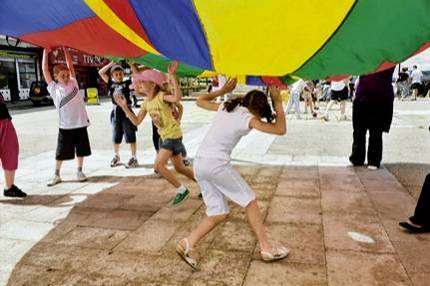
{"type": "Point", "coordinates": [27, 72]}
{"type": "Point", "coordinates": [7, 71]}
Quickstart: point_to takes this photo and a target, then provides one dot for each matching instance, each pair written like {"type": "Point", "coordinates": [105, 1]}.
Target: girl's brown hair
{"type": "Point", "coordinates": [255, 100]}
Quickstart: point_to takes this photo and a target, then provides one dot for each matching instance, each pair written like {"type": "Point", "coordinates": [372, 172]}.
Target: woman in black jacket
{"type": "Point", "coordinates": [372, 111]}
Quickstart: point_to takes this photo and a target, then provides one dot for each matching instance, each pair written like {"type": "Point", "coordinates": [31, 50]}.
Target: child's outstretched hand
{"type": "Point", "coordinates": [173, 68]}
{"type": "Point", "coordinates": [229, 86]}
{"type": "Point", "coordinates": [120, 100]}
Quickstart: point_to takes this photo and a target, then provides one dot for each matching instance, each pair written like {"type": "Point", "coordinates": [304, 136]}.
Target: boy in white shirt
{"type": "Point", "coordinates": [417, 82]}
{"type": "Point", "coordinates": [73, 118]}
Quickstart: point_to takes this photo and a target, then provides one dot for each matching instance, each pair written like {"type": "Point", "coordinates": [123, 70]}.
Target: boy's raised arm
{"type": "Point", "coordinates": [45, 66]}
{"type": "Point", "coordinates": [103, 72]}
{"type": "Point", "coordinates": [69, 62]}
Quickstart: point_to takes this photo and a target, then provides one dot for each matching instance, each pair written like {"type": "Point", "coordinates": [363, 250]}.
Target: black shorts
{"type": "Point", "coordinates": [71, 141]}
{"type": "Point", "coordinates": [339, 95]}
{"type": "Point", "coordinates": [417, 85]}
{"type": "Point", "coordinates": [123, 128]}
{"type": "Point", "coordinates": [174, 145]}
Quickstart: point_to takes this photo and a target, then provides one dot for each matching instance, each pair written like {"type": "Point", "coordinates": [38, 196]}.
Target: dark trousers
{"type": "Point", "coordinates": [422, 210]}
{"type": "Point", "coordinates": [155, 137]}
{"type": "Point", "coordinates": [374, 150]}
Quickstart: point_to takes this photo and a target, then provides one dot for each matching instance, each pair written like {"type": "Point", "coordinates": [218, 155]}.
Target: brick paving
{"type": "Point", "coordinates": [340, 224]}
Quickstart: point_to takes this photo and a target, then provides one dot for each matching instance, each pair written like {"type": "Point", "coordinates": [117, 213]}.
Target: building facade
{"type": "Point", "coordinates": [20, 65]}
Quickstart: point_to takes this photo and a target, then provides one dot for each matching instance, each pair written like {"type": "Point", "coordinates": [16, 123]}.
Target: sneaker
{"type": "Point", "coordinates": [55, 180]}
{"type": "Point", "coordinates": [14, 191]}
{"type": "Point", "coordinates": [132, 163]}
{"type": "Point", "coordinates": [325, 118]}
{"type": "Point", "coordinates": [180, 198]}
{"type": "Point", "coordinates": [115, 161]}
{"type": "Point", "coordinates": [371, 167]}
{"type": "Point", "coordinates": [81, 176]}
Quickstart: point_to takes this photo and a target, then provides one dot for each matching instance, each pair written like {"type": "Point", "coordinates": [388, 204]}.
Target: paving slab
{"type": "Point", "coordinates": [285, 274]}
{"type": "Point", "coordinates": [348, 233]}
{"type": "Point", "coordinates": [357, 268]}
{"type": "Point", "coordinates": [149, 238]}
{"type": "Point", "coordinates": [291, 209]}
{"type": "Point", "coordinates": [224, 266]}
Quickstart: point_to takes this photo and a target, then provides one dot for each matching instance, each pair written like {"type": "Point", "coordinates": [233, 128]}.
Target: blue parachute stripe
{"type": "Point", "coordinates": [174, 29]}
{"type": "Point", "coordinates": [40, 15]}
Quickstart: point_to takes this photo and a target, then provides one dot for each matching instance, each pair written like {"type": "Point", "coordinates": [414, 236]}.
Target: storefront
{"type": "Point", "coordinates": [19, 67]}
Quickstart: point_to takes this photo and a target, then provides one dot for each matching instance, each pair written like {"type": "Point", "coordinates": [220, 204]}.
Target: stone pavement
{"type": "Point", "coordinates": [118, 228]}
{"type": "Point", "coordinates": [340, 224]}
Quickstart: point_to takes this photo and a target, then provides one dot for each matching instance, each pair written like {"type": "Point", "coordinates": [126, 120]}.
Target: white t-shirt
{"type": "Point", "coordinates": [298, 86]}
{"type": "Point", "coordinates": [417, 76]}
{"type": "Point", "coordinates": [226, 130]}
{"type": "Point", "coordinates": [337, 85]}
{"type": "Point", "coordinates": [70, 104]}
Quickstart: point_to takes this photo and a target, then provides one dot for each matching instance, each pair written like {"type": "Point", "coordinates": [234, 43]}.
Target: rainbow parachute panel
{"type": "Point", "coordinates": [311, 39]}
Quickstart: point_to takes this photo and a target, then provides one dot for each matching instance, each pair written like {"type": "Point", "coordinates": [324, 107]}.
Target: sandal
{"type": "Point", "coordinates": [277, 253]}
{"type": "Point", "coordinates": [184, 253]}
{"type": "Point", "coordinates": [413, 228]}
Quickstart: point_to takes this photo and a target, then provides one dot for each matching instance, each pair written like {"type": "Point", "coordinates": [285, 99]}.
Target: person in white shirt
{"type": "Point", "coordinates": [294, 100]}
{"type": "Point", "coordinates": [339, 93]}
{"type": "Point", "coordinates": [416, 82]}
{"type": "Point", "coordinates": [216, 176]}
{"type": "Point", "coordinates": [73, 117]}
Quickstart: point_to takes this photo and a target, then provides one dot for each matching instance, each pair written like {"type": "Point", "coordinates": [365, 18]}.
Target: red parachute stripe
{"type": "Point", "coordinates": [126, 13]}
{"type": "Point", "coordinates": [270, 80]}
{"type": "Point", "coordinates": [90, 35]}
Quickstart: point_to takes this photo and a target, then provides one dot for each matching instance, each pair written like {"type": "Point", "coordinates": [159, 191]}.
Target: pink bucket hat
{"type": "Point", "coordinates": [150, 75]}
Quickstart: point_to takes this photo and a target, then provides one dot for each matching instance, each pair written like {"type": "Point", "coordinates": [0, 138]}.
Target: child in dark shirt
{"type": "Point", "coordinates": [121, 125]}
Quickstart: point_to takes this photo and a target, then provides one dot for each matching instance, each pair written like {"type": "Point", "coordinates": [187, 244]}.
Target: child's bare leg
{"type": "Point", "coordinates": [342, 107]}
{"type": "Point", "coordinates": [116, 149]}
{"type": "Point", "coordinates": [160, 165]}
{"type": "Point", "coordinates": [58, 164]}
{"type": "Point", "coordinates": [9, 178]}
{"type": "Point", "coordinates": [256, 221]}
{"type": "Point", "coordinates": [133, 147]}
{"type": "Point", "coordinates": [80, 161]}
{"type": "Point", "coordinates": [414, 93]}
{"type": "Point", "coordinates": [207, 224]}
{"type": "Point", "coordinates": [178, 163]}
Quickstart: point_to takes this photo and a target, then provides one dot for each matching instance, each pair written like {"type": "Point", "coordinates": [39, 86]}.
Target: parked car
{"type": "Point", "coordinates": [39, 93]}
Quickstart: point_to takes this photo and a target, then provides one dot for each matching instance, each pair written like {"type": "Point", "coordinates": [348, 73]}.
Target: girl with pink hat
{"type": "Point", "coordinates": [159, 105]}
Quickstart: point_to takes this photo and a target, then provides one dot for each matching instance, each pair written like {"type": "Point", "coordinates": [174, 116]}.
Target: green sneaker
{"type": "Point", "coordinates": [180, 197]}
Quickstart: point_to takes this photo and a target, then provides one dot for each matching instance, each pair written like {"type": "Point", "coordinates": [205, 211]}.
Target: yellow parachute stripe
{"type": "Point", "coordinates": [105, 13]}
{"type": "Point", "coordinates": [268, 37]}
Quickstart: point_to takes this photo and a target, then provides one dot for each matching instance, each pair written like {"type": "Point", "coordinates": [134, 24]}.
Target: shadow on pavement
{"type": "Point", "coordinates": [126, 234]}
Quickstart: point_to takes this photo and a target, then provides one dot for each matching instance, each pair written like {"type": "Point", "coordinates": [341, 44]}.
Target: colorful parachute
{"type": "Point", "coordinates": [278, 38]}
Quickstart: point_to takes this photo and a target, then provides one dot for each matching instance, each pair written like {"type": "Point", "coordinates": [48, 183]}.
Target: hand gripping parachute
{"type": "Point", "coordinates": [270, 39]}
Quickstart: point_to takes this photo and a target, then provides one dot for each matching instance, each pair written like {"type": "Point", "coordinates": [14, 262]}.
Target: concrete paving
{"type": "Point", "coordinates": [119, 228]}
